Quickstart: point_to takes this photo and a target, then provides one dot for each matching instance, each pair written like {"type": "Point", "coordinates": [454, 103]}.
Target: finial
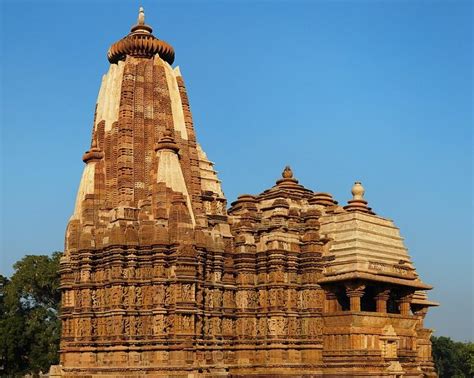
{"type": "Point", "coordinates": [94, 154]}
{"type": "Point", "coordinates": [167, 133]}
{"type": "Point", "coordinates": [140, 43]}
{"type": "Point", "coordinates": [358, 191]}
{"type": "Point", "coordinates": [287, 177]}
{"type": "Point", "coordinates": [141, 16]}
{"type": "Point", "coordinates": [140, 27]}
{"type": "Point", "coordinates": [287, 172]}
{"type": "Point", "coordinates": [166, 142]}
{"type": "Point", "coordinates": [358, 203]}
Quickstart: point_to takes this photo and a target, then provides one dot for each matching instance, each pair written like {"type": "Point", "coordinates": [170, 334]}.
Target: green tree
{"type": "Point", "coordinates": [29, 322]}
{"type": "Point", "coordinates": [453, 359]}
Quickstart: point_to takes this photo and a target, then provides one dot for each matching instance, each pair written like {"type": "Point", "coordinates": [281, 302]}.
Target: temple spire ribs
{"type": "Point", "coordinates": [160, 278]}
{"type": "Point", "coordinates": [169, 171]}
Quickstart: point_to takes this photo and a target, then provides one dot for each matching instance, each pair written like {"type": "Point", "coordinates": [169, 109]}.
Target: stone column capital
{"type": "Point", "coordinates": [421, 312]}
{"type": "Point", "coordinates": [383, 294]}
{"type": "Point", "coordinates": [404, 303]}
{"type": "Point", "coordinates": [406, 298]}
{"type": "Point", "coordinates": [381, 299]}
{"type": "Point", "coordinates": [330, 295]}
{"type": "Point", "coordinates": [354, 289]}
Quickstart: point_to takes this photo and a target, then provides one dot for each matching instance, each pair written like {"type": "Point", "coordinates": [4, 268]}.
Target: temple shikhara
{"type": "Point", "coordinates": [161, 278]}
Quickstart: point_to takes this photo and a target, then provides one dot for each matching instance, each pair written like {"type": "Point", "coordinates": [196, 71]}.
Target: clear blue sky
{"type": "Point", "coordinates": [341, 90]}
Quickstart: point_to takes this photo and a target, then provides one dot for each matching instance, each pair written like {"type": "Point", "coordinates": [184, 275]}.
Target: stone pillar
{"type": "Point", "coordinates": [332, 304]}
{"type": "Point", "coordinates": [404, 304]}
{"type": "Point", "coordinates": [381, 301]}
{"type": "Point", "coordinates": [421, 313]}
{"type": "Point", "coordinates": [355, 291]}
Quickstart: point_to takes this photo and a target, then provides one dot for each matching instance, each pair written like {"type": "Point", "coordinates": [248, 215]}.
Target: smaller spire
{"type": "Point", "coordinates": [358, 203]}
{"type": "Point", "coordinates": [141, 16]}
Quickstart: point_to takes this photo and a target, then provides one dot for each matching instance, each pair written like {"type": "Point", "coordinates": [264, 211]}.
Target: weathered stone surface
{"type": "Point", "coordinates": [159, 279]}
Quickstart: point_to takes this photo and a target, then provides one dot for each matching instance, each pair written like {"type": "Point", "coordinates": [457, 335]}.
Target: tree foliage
{"type": "Point", "coordinates": [29, 322]}
{"type": "Point", "coordinates": [453, 359]}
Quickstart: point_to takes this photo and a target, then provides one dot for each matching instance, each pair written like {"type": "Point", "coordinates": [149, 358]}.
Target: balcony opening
{"type": "Point", "coordinates": [343, 300]}
{"type": "Point", "coordinates": [367, 302]}
{"type": "Point", "coordinates": [392, 304]}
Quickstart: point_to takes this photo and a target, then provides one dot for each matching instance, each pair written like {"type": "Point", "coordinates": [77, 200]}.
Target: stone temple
{"type": "Point", "coordinates": [161, 278]}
